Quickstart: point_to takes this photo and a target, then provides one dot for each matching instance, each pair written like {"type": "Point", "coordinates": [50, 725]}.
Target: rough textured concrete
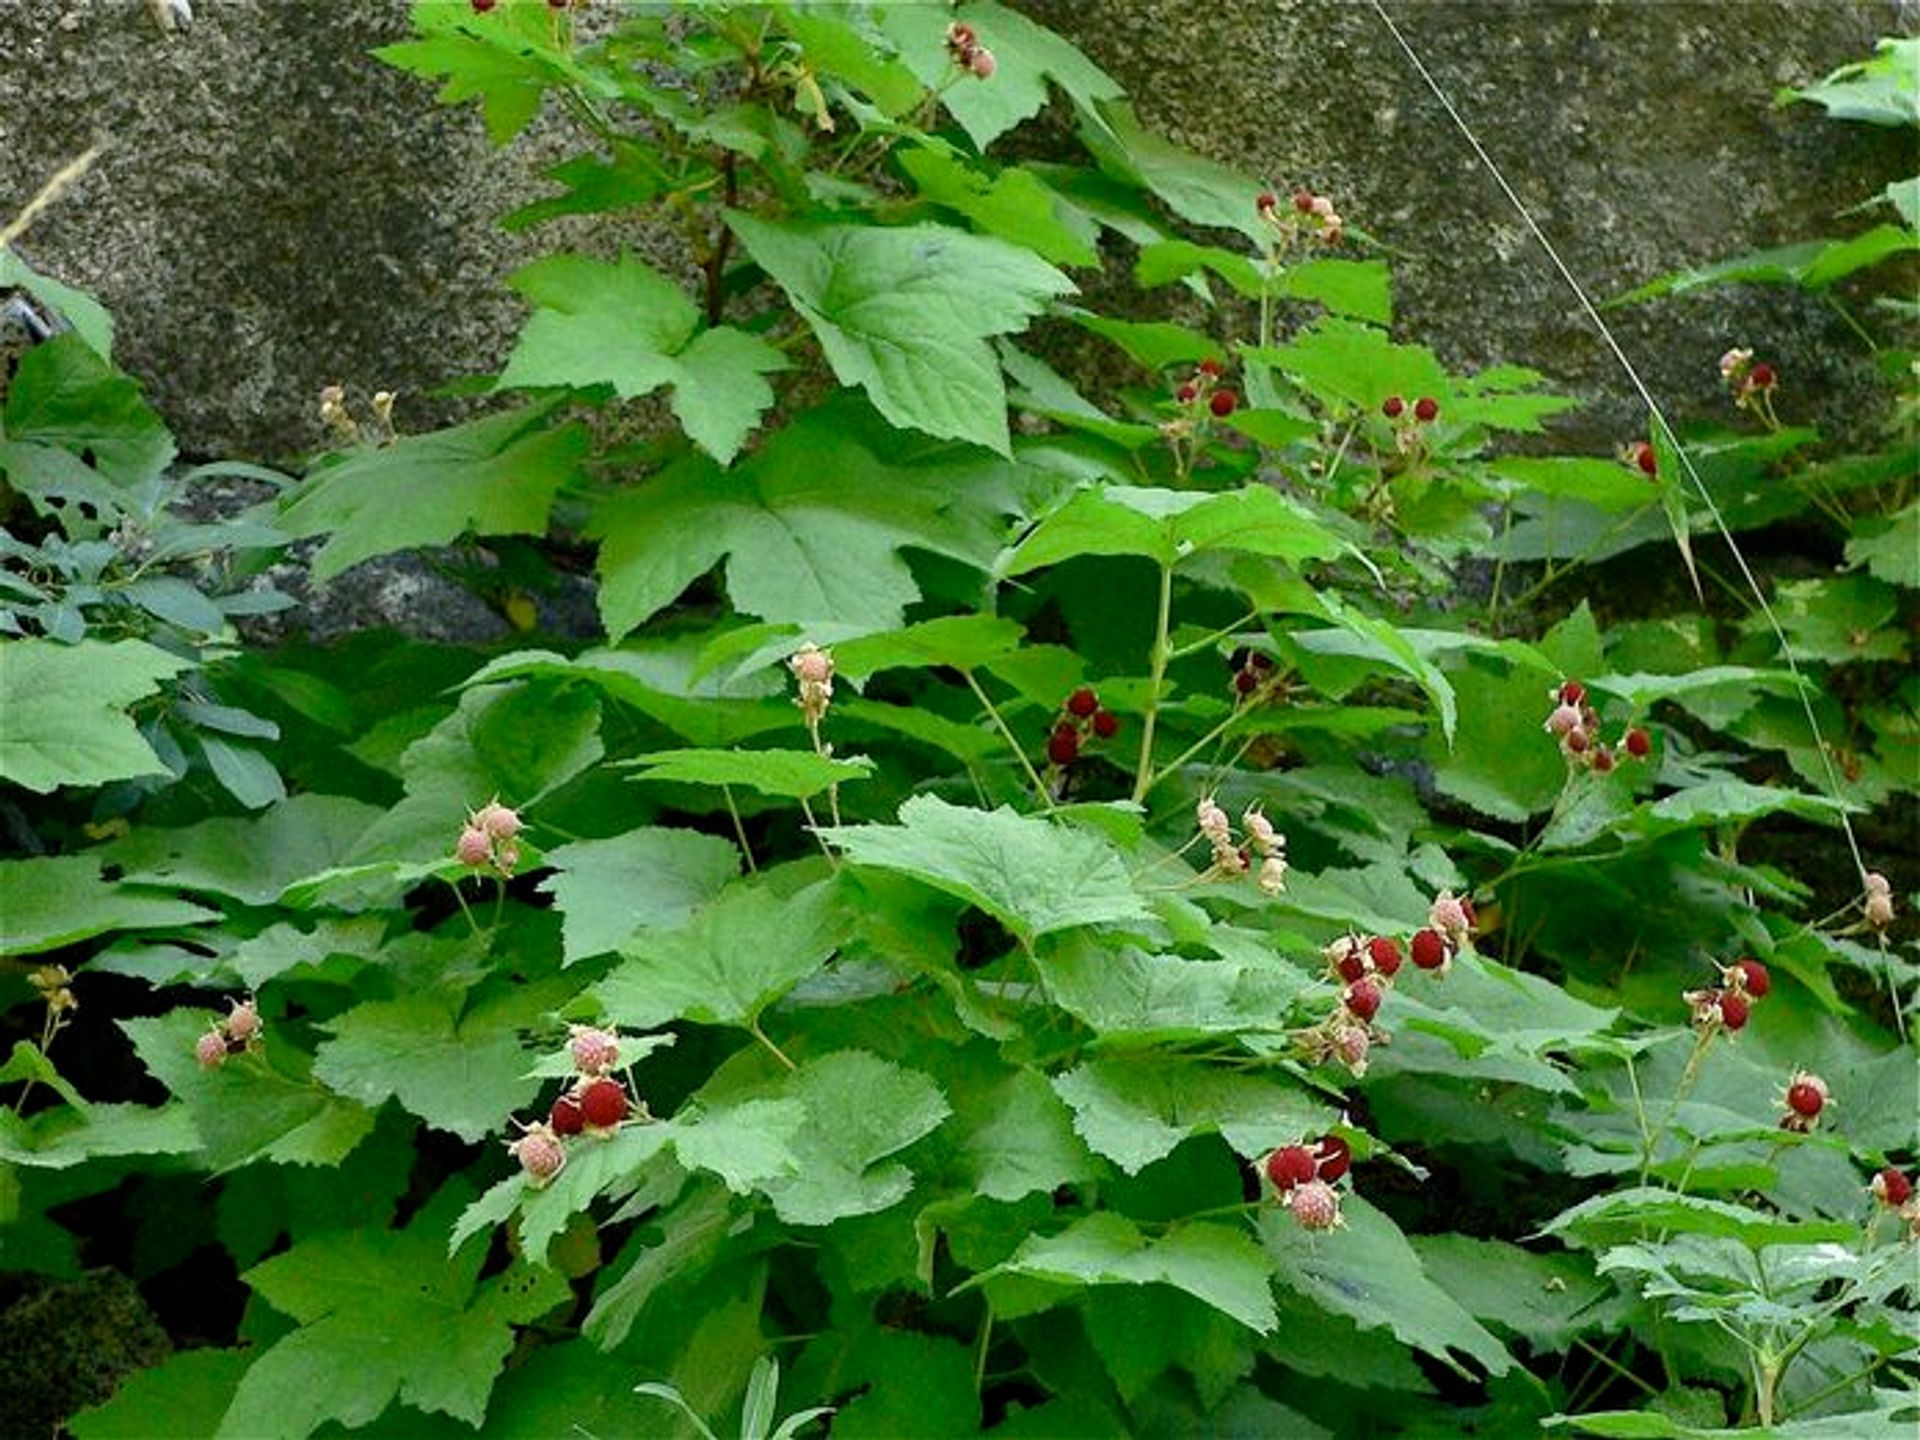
{"type": "Point", "coordinates": [277, 211]}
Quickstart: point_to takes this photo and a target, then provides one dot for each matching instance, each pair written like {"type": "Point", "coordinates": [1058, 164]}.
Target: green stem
{"type": "Point", "coordinates": [1616, 1367]}
{"type": "Point", "coordinates": [1006, 733]}
{"type": "Point", "coordinates": [739, 829]}
{"type": "Point", "coordinates": [833, 860]}
{"type": "Point", "coordinates": [753, 1029]}
{"type": "Point", "coordinates": [1207, 642]}
{"type": "Point", "coordinates": [1173, 766]}
{"type": "Point", "coordinates": [472, 924]}
{"type": "Point", "coordinates": [981, 1346]}
{"type": "Point", "coordinates": [1157, 674]}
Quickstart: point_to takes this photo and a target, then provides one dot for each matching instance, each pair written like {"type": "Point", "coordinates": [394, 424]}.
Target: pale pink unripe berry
{"type": "Point", "coordinates": [1449, 916]}
{"type": "Point", "coordinates": [243, 1024]}
{"type": "Point", "coordinates": [506, 859]}
{"type": "Point", "coordinates": [1564, 720]}
{"type": "Point", "coordinates": [1315, 1205]}
{"type": "Point", "coordinates": [474, 848]}
{"type": "Point", "coordinates": [1878, 905]}
{"type": "Point", "coordinates": [811, 664]}
{"type": "Point", "coordinates": [540, 1153]}
{"type": "Point", "coordinates": [1272, 879]}
{"type": "Point", "coordinates": [1213, 822]}
{"type": "Point", "coordinates": [594, 1051]}
{"type": "Point", "coordinates": [1260, 832]}
{"type": "Point", "coordinates": [210, 1050]}
{"type": "Point", "coordinates": [982, 63]}
{"type": "Point", "coordinates": [1351, 1043]}
{"type": "Point", "coordinates": [497, 820]}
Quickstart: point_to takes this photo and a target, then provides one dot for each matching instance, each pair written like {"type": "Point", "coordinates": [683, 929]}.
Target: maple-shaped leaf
{"type": "Point", "coordinates": [384, 1315]}
{"type": "Point", "coordinates": [811, 526]}
{"type": "Point", "coordinates": [493, 476]}
{"type": "Point", "coordinates": [626, 325]}
{"type": "Point", "coordinates": [505, 60]}
{"type": "Point", "coordinates": [65, 720]}
{"type": "Point", "coordinates": [907, 313]}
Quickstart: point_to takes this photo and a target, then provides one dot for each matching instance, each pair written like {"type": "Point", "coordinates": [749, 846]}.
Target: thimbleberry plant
{"type": "Point", "coordinates": [891, 970]}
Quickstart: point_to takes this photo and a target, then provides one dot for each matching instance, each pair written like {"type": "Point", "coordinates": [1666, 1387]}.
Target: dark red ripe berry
{"type": "Point", "coordinates": [558, 4]}
{"type": "Point", "coordinates": [1265, 201]}
{"type": "Point", "coordinates": [1638, 743]}
{"type": "Point", "coordinates": [604, 1103]}
{"type": "Point", "coordinates": [1602, 760]}
{"type": "Point", "coordinates": [566, 1117]}
{"type": "Point", "coordinates": [1385, 953]}
{"type": "Point", "coordinates": [1260, 660]}
{"type": "Point", "coordinates": [1063, 746]}
{"type": "Point", "coordinates": [1290, 1165]}
{"type": "Point", "coordinates": [1393, 407]}
{"type": "Point", "coordinates": [1755, 978]}
{"type": "Point", "coordinates": [481, 7]}
{"type": "Point", "coordinates": [1892, 1188]}
{"type": "Point", "coordinates": [1223, 403]}
{"type": "Point", "coordinates": [1761, 376]}
{"type": "Point", "coordinates": [1466, 909]}
{"type": "Point", "coordinates": [1644, 457]}
{"type": "Point", "coordinates": [1083, 702]}
{"type": "Point", "coordinates": [1429, 949]}
{"type": "Point", "coordinates": [1239, 659]}
{"type": "Point", "coordinates": [1363, 999]}
{"type": "Point", "coordinates": [1733, 1011]}
{"type": "Point", "coordinates": [1334, 1156]}
{"type": "Point", "coordinates": [1246, 682]}
{"type": "Point", "coordinates": [962, 36]}
{"type": "Point", "coordinates": [1106, 724]}
{"type": "Point", "coordinates": [1303, 201]}
{"type": "Point", "coordinates": [1351, 965]}
{"type": "Point", "coordinates": [1576, 740]}
{"type": "Point", "coordinates": [1572, 692]}
{"type": "Point", "coordinates": [1186, 393]}
{"type": "Point", "coordinates": [1805, 1099]}
{"type": "Point", "coordinates": [1212, 368]}
{"type": "Point", "coordinates": [1425, 408]}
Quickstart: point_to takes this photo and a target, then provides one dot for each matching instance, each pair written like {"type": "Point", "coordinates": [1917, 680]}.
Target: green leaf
{"type": "Point", "coordinates": [743, 951]}
{"type": "Point", "coordinates": [1212, 1263]}
{"type": "Point", "coordinates": [1018, 1139]}
{"type": "Point", "coordinates": [1886, 547]}
{"type": "Point", "coordinates": [384, 1315]}
{"type": "Point", "coordinates": [248, 860]}
{"type": "Point", "coordinates": [1546, 1300]}
{"type": "Point", "coordinates": [1808, 265]}
{"type": "Point", "coordinates": [457, 1072]}
{"type": "Point", "coordinates": [1357, 364]}
{"type": "Point", "coordinates": [58, 900]}
{"type": "Point", "coordinates": [906, 314]}
{"type": "Point", "coordinates": [1365, 637]}
{"type": "Point", "coordinates": [624, 324]}
{"type": "Point", "coordinates": [65, 396]}
{"type": "Point", "coordinates": [1033, 875]}
{"type": "Point", "coordinates": [811, 526]}
{"type": "Point", "coordinates": [966, 642]}
{"type": "Point", "coordinates": [1878, 91]}
{"type": "Point", "coordinates": [1359, 289]}
{"type": "Point", "coordinates": [88, 316]}
{"type": "Point", "coordinates": [1623, 1215]}
{"type": "Point", "coordinates": [1171, 260]}
{"type": "Point", "coordinates": [1194, 188]}
{"type": "Point", "coordinates": [493, 476]}
{"type": "Point", "coordinates": [1156, 344]}
{"type": "Point", "coordinates": [1138, 1109]}
{"type": "Point", "coordinates": [191, 1388]}
{"type": "Point", "coordinates": [791, 774]}
{"type": "Point", "coordinates": [262, 1106]}
{"type": "Point", "coordinates": [1368, 1272]}
{"type": "Point", "coordinates": [65, 721]}
{"type": "Point", "coordinates": [1013, 205]}
{"type": "Point", "coordinates": [506, 63]}
{"type": "Point", "coordinates": [1168, 526]}
{"type": "Point", "coordinates": [1132, 995]}
{"type": "Point", "coordinates": [607, 890]}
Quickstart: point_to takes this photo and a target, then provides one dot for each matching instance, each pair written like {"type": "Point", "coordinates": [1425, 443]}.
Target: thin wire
{"type": "Point", "coordinates": [1802, 687]}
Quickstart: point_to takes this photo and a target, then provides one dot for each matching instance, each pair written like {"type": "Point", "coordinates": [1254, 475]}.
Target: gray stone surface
{"type": "Point", "coordinates": [276, 211]}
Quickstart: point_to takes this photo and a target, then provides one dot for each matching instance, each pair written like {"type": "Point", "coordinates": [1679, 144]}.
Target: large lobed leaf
{"type": "Point", "coordinates": [65, 722]}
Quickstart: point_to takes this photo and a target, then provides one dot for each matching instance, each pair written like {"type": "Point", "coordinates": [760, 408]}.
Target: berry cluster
{"type": "Point", "coordinates": [489, 839]}
{"type": "Point", "coordinates": [812, 669]}
{"type": "Point", "coordinates": [1233, 858]}
{"type": "Point", "coordinates": [1752, 385]}
{"type": "Point", "coordinates": [1805, 1097]}
{"type": "Point", "coordinates": [1081, 721]}
{"type": "Point", "coordinates": [968, 53]}
{"type": "Point", "coordinates": [1410, 422]}
{"type": "Point", "coordinates": [1252, 672]}
{"type": "Point", "coordinates": [1309, 214]}
{"type": "Point", "coordinates": [1202, 391]}
{"type": "Point", "coordinates": [240, 1031]}
{"type": "Point", "coordinates": [1894, 1190]}
{"type": "Point", "coordinates": [1878, 902]}
{"type": "Point", "coordinates": [1303, 1177]}
{"type": "Point", "coordinates": [1726, 1006]}
{"type": "Point", "coordinates": [1365, 966]}
{"type": "Point", "coordinates": [1639, 454]}
{"type": "Point", "coordinates": [1576, 725]}
{"type": "Point", "coordinates": [595, 1104]}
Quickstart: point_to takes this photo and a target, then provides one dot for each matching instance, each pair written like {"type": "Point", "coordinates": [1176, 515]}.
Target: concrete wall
{"type": "Point", "coordinates": [276, 211]}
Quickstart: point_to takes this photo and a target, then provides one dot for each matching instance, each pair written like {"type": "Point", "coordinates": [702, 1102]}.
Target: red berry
{"type": "Point", "coordinates": [1083, 702]}
{"type": "Point", "coordinates": [1351, 964]}
{"type": "Point", "coordinates": [1212, 368]}
{"type": "Point", "coordinates": [1106, 724]}
{"type": "Point", "coordinates": [1265, 201]}
{"type": "Point", "coordinates": [1363, 999]}
{"type": "Point", "coordinates": [1602, 760]}
{"type": "Point", "coordinates": [1246, 682]}
{"type": "Point", "coordinates": [1644, 457]}
{"type": "Point", "coordinates": [1429, 949]}
{"type": "Point", "coordinates": [1185, 394]}
{"type": "Point", "coordinates": [1063, 746]}
{"type": "Point", "coordinates": [1260, 660]}
{"type": "Point", "coordinates": [1334, 1156]}
{"type": "Point", "coordinates": [1806, 1098]}
{"type": "Point", "coordinates": [1638, 743]}
{"type": "Point", "coordinates": [558, 4]}
{"type": "Point", "coordinates": [1223, 403]}
{"type": "Point", "coordinates": [1393, 407]}
{"type": "Point", "coordinates": [1289, 1166]}
{"type": "Point", "coordinates": [1733, 1010]}
{"type": "Point", "coordinates": [1760, 377]}
{"type": "Point", "coordinates": [1303, 201]}
{"type": "Point", "coordinates": [1576, 740]}
{"type": "Point", "coordinates": [960, 36]}
{"type": "Point", "coordinates": [566, 1117]}
{"type": "Point", "coordinates": [1754, 978]}
{"type": "Point", "coordinates": [1891, 1188]}
{"type": "Point", "coordinates": [1572, 692]}
{"type": "Point", "coordinates": [1385, 953]}
{"type": "Point", "coordinates": [1425, 409]}
{"type": "Point", "coordinates": [481, 7]}
{"type": "Point", "coordinates": [604, 1104]}
{"type": "Point", "coordinates": [1466, 911]}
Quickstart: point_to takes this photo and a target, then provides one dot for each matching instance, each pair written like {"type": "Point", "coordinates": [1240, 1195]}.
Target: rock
{"type": "Point", "coordinates": [277, 211]}
{"type": "Point", "coordinates": [65, 1345]}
